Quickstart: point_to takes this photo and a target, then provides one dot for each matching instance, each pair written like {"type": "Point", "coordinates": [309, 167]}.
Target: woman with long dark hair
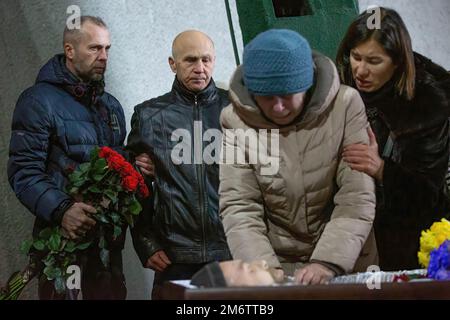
{"type": "Point", "coordinates": [407, 104]}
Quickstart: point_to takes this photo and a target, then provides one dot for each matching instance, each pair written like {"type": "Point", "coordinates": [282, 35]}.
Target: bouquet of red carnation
{"type": "Point", "coordinates": [110, 184]}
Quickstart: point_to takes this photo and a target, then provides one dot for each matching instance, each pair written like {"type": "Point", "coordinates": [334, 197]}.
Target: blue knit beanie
{"type": "Point", "coordinates": [278, 62]}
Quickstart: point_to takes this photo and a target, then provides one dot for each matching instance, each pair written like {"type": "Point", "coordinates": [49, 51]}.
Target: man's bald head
{"type": "Point", "coordinates": [193, 58]}
{"type": "Point", "coordinates": [190, 38]}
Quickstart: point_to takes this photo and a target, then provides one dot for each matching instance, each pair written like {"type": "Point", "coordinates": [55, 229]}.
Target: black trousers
{"type": "Point", "coordinates": [97, 282]}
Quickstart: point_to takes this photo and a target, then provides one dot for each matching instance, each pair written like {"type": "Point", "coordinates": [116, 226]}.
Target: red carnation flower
{"type": "Point", "coordinates": [105, 152]}
{"type": "Point", "coordinates": [128, 170]}
{"type": "Point", "coordinates": [143, 190]}
{"type": "Point", "coordinates": [130, 183]}
{"type": "Point", "coordinates": [401, 278]}
{"type": "Point", "coordinates": [131, 179]}
{"type": "Point", "coordinates": [117, 163]}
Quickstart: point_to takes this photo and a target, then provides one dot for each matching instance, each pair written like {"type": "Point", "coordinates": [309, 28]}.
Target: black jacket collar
{"type": "Point", "coordinates": [189, 97]}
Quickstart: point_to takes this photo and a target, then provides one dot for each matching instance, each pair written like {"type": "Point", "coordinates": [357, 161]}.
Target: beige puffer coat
{"type": "Point", "coordinates": [315, 207]}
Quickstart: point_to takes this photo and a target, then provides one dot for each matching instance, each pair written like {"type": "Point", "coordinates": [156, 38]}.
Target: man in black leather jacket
{"type": "Point", "coordinates": [180, 229]}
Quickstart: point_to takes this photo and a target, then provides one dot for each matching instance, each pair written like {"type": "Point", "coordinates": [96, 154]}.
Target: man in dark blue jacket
{"type": "Point", "coordinates": [56, 124]}
{"type": "Point", "coordinates": [181, 231]}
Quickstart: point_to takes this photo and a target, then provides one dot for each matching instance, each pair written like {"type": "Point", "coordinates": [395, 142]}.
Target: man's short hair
{"type": "Point", "coordinates": [74, 35]}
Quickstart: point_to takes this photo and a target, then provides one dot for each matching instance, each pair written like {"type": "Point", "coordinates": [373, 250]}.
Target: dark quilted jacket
{"type": "Point", "coordinates": [53, 132]}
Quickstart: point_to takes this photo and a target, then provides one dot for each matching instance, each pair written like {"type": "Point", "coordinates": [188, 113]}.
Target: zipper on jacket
{"type": "Point", "coordinates": [199, 171]}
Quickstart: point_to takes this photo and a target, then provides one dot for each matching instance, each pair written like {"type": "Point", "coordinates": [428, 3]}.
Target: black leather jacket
{"type": "Point", "coordinates": [182, 218]}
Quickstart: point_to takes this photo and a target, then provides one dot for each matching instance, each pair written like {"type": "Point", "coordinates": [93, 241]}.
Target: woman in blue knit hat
{"type": "Point", "coordinates": [312, 216]}
{"type": "Point", "coordinates": [407, 103]}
